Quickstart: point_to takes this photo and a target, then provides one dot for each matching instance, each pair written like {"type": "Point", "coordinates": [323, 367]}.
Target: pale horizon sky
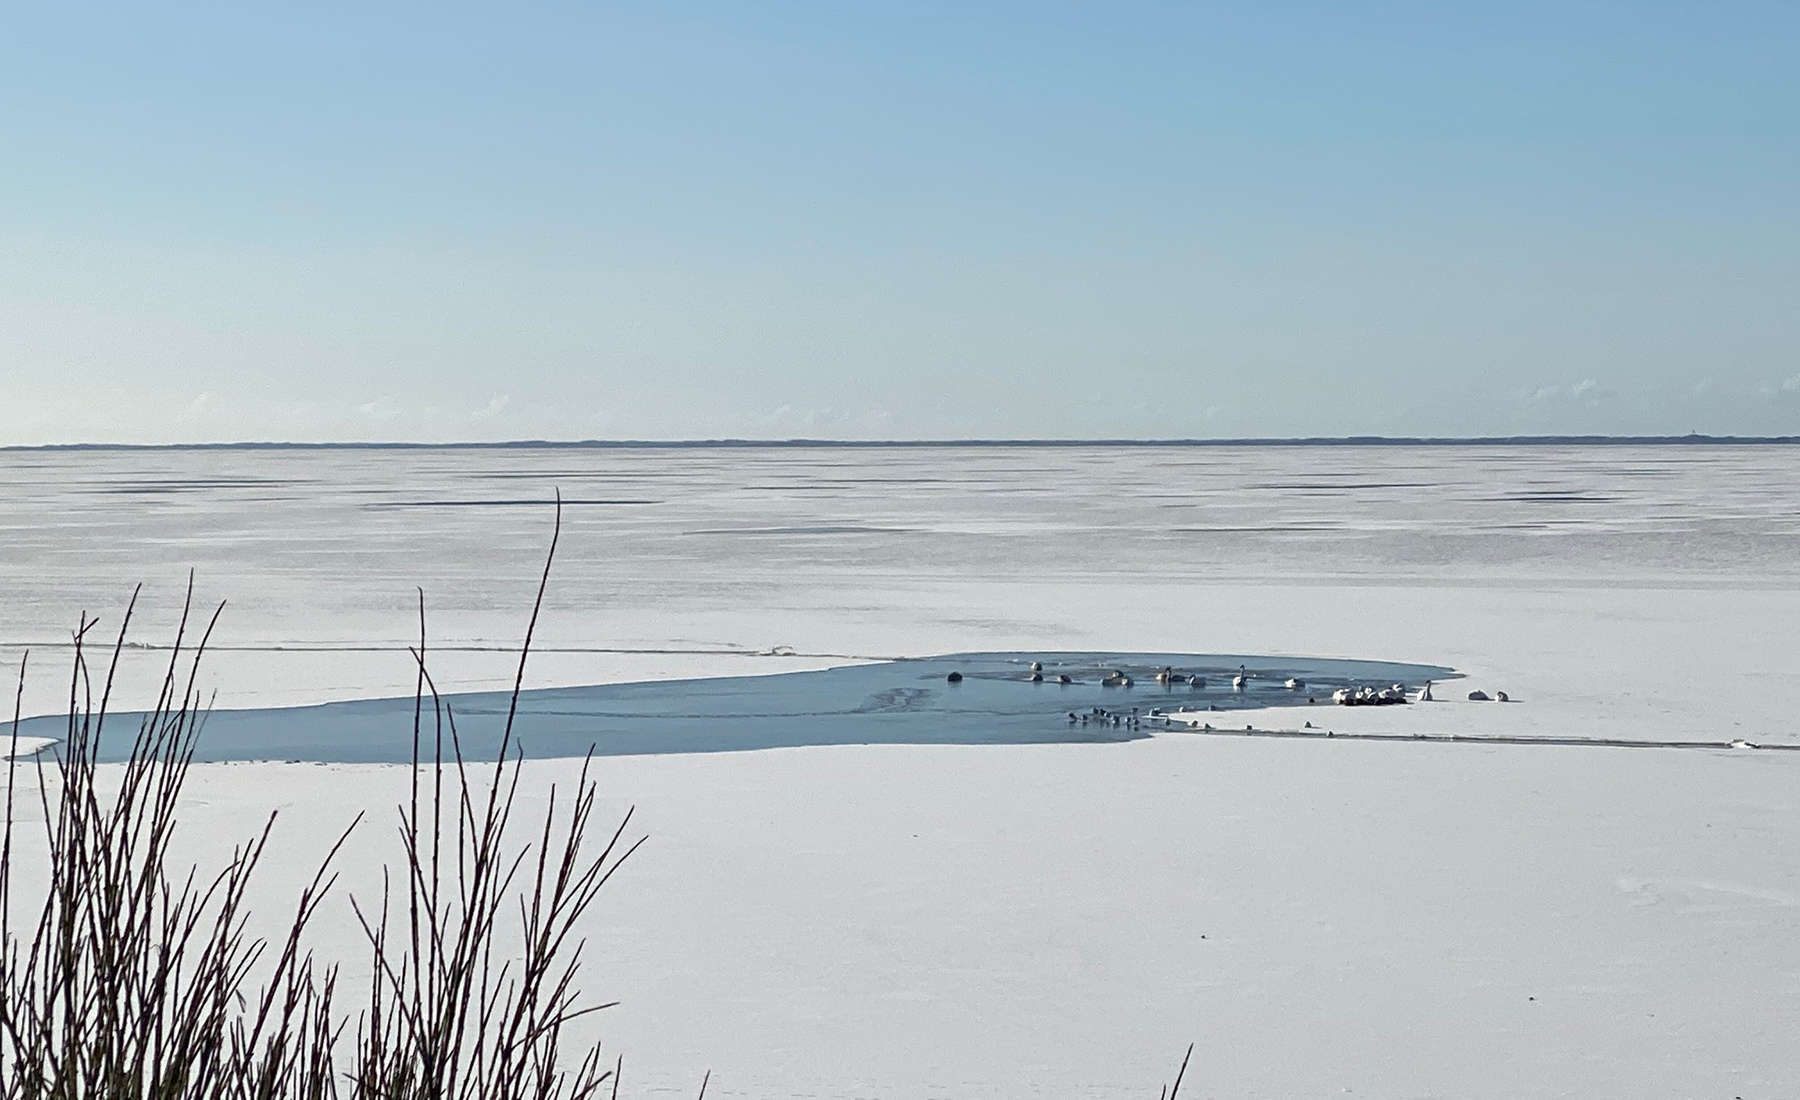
{"type": "Point", "coordinates": [926, 220]}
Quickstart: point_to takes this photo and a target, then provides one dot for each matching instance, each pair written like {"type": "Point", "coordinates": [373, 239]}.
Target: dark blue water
{"type": "Point", "coordinates": [894, 703]}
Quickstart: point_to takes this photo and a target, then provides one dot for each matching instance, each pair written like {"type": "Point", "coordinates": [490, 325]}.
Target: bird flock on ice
{"type": "Point", "coordinates": [1355, 695]}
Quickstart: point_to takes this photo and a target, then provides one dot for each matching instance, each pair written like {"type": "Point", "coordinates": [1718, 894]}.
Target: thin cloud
{"type": "Point", "coordinates": [1588, 391]}
{"type": "Point", "coordinates": [197, 408]}
{"type": "Point", "coordinates": [495, 406]}
{"type": "Point", "coordinates": [382, 408]}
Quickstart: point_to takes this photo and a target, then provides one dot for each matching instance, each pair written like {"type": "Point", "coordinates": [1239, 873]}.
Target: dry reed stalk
{"type": "Point", "coordinates": [139, 982]}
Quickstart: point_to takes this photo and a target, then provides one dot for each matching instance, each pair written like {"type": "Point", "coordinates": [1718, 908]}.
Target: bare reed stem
{"type": "Point", "coordinates": [136, 981]}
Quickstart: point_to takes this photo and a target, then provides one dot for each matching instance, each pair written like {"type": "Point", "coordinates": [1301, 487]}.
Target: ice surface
{"type": "Point", "coordinates": [857, 553]}
{"type": "Point", "coordinates": [910, 921]}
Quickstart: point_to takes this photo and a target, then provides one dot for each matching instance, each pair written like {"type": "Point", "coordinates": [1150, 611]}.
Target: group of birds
{"type": "Point", "coordinates": [1369, 697]}
{"type": "Point", "coordinates": [1130, 719]}
{"type": "Point", "coordinates": [1388, 696]}
{"type": "Point", "coordinates": [1353, 696]}
{"type": "Point", "coordinates": [1117, 678]}
{"type": "Point", "coordinates": [1103, 717]}
{"type": "Point", "coordinates": [1166, 676]}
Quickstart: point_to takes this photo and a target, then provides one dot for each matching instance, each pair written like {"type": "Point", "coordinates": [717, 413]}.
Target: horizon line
{"type": "Point", "coordinates": [1692, 438]}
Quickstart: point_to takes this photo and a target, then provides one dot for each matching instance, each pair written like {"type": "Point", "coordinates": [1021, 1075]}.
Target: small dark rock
{"type": "Point", "coordinates": [954, 677]}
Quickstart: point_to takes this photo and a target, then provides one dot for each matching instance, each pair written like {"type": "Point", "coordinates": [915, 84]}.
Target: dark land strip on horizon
{"type": "Point", "coordinates": [706, 444]}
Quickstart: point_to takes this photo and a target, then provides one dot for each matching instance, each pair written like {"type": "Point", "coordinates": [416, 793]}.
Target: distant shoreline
{"type": "Point", "coordinates": [717, 444]}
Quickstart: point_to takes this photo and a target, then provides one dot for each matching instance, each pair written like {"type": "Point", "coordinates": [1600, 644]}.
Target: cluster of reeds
{"type": "Point", "coordinates": [131, 978]}
{"type": "Point", "coordinates": [134, 978]}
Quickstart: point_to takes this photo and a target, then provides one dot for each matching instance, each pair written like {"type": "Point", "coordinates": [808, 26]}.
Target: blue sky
{"type": "Point", "coordinates": [879, 220]}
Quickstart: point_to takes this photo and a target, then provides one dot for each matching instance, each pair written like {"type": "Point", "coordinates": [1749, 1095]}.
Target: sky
{"type": "Point", "coordinates": [866, 220]}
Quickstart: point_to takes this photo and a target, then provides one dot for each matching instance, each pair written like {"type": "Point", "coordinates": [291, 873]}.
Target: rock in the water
{"type": "Point", "coordinates": [954, 677]}
{"type": "Point", "coordinates": [1478, 696]}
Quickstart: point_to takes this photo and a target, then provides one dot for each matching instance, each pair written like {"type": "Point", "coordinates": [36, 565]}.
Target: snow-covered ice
{"type": "Point", "coordinates": [901, 921]}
